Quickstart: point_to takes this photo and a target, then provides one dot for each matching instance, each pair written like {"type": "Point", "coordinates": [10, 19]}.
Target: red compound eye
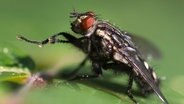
{"type": "Point", "coordinates": [88, 22]}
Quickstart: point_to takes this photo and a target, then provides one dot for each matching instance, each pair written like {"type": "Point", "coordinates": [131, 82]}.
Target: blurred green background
{"type": "Point", "coordinates": [159, 21]}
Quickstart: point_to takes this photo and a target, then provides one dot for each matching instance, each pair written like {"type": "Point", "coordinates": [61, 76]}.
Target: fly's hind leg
{"type": "Point", "coordinates": [119, 67]}
{"type": "Point", "coordinates": [130, 83]}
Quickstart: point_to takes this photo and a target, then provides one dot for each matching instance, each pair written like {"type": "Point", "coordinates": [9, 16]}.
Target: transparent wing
{"type": "Point", "coordinates": [140, 69]}
{"type": "Point", "coordinates": [147, 49]}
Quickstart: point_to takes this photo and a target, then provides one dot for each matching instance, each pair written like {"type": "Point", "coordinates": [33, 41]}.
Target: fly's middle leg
{"type": "Point", "coordinates": [96, 68]}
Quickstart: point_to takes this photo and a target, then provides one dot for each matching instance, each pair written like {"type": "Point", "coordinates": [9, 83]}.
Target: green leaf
{"type": "Point", "coordinates": [14, 57]}
{"type": "Point", "coordinates": [14, 64]}
{"type": "Point", "coordinates": [111, 89]}
{"type": "Point", "coordinates": [14, 74]}
{"type": "Point", "coordinates": [71, 93]}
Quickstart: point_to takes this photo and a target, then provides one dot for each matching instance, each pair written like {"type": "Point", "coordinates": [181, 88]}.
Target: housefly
{"type": "Point", "coordinates": [108, 47]}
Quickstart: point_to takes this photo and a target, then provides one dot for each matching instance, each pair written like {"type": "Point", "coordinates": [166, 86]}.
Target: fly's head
{"type": "Point", "coordinates": [82, 22]}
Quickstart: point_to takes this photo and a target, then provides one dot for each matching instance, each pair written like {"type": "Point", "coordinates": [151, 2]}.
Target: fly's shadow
{"type": "Point", "coordinates": [102, 84]}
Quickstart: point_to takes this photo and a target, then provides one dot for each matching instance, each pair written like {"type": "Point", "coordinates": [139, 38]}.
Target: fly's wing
{"type": "Point", "coordinates": [147, 49]}
{"type": "Point", "coordinates": [141, 70]}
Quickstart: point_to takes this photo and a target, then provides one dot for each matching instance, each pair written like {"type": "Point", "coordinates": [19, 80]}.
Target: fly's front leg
{"type": "Point", "coordinates": [52, 39]}
{"type": "Point", "coordinates": [96, 68]}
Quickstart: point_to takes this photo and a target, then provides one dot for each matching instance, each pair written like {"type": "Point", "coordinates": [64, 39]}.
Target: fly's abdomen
{"type": "Point", "coordinates": [145, 88]}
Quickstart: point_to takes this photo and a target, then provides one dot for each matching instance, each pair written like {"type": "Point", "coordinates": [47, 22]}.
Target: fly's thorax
{"type": "Point", "coordinates": [104, 34]}
{"type": "Point", "coordinates": [110, 42]}
{"type": "Point", "coordinates": [102, 45]}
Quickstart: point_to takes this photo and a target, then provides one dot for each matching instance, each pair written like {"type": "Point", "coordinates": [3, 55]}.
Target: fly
{"type": "Point", "coordinates": [108, 47]}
